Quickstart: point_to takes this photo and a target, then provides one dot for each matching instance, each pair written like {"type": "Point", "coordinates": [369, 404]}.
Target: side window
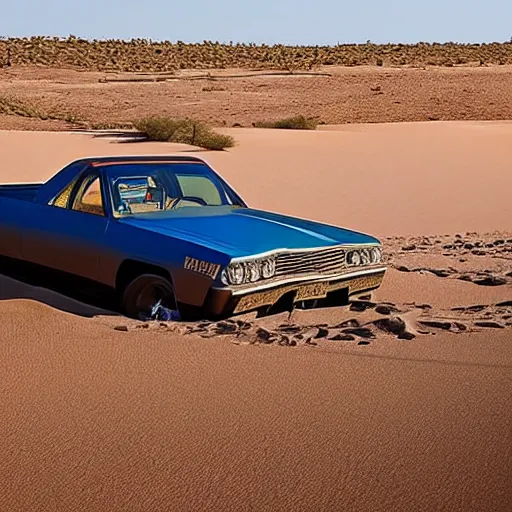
{"type": "Point", "coordinates": [61, 201]}
{"type": "Point", "coordinates": [88, 198]}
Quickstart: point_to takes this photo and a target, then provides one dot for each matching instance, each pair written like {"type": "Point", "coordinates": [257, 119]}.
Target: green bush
{"type": "Point", "coordinates": [290, 123]}
{"type": "Point", "coordinates": [184, 131]}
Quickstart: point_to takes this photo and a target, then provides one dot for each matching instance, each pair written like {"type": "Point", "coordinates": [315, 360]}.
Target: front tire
{"type": "Point", "coordinates": [144, 292]}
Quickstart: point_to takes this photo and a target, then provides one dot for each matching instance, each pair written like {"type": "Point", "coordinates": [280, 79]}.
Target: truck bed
{"type": "Point", "coordinates": [21, 191]}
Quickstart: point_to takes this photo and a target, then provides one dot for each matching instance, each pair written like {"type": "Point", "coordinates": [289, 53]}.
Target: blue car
{"type": "Point", "coordinates": [169, 231]}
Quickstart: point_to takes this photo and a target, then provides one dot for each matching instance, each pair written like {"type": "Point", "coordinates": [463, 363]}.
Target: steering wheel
{"type": "Point", "coordinates": [193, 199]}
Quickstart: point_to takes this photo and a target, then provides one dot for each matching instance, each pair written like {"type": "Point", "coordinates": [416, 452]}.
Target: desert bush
{"type": "Point", "coordinates": [290, 123]}
{"type": "Point", "coordinates": [155, 56]}
{"type": "Point", "coordinates": [184, 131]}
{"type": "Point", "coordinates": [15, 107]}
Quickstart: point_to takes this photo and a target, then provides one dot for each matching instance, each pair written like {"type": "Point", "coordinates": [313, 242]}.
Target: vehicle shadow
{"type": "Point", "coordinates": [16, 284]}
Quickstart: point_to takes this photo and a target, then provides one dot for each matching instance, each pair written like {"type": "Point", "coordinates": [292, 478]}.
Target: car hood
{"type": "Point", "coordinates": [239, 232]}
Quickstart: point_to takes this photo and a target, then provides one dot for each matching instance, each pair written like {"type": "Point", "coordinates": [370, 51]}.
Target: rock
{"type": "Point", "coordinates": [468, 245]}
{"type": "Point", "coordinates": [499, 242]}
{"type": "Point", "coordinates": [460, 326]}
{"type": "Point", "coordinates": [362, 332]}
{"type": "Point", "coordinates": [264, 336]}
{"type": "Point", "coordinates": [439, 272]}
{"type": "Point", "coordinates": [491, 281]}
{"type": "Point", "coordinates": [385, 310]}
{"type": "Point", "coordinates": [122, 328]}
{"type": "Point", "coordinates": [348, 323]}
{"type": "Point", "coordinates": [458, 235]}
{"type": "Point", "coordinates": [436, 324]}
{"type": "Point", "coordinates": [406, 335]}
{"type": "Point", "coordinates": [402, 268]}
{"type": "Point", "coordinates": [465, 277]}
{"type": "Point", "coordinates": [361, 305]}
{"type": "Point", "coordinates": [504, 304]}
{"type": "Point", "coordinates": [322, 333]}
{"type": "Point", "coordinates": [364, 342]}
{"type": "Point", "coordinates": [423, 306]}
{"type": "Point", "coordinates": [410, 247]}
{"type": "Point", "coordinates": [393, 324]}
{"type": "Point", "coordinates": [368, 296]}
{"type": "Point", "coordinates": [448, 246]}
{"type": "Point", "coordinates": [478, 252]}
{"type": "Point", "coordinates": [225, 327]}
{"type": "Point", "coordinates": [489, 323]}
{"type": "Point", "coordinates": [291, 328]}
{"type": "Point", "coordinates": [343, 337]}
{"type": "Point", "coordinates": [462, 260]}
{"type": "Point", "coordinates": [509, 274]}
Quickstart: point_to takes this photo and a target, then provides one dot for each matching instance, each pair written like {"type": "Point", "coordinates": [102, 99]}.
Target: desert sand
{"type": "Point", "coordinates": [401, 401]}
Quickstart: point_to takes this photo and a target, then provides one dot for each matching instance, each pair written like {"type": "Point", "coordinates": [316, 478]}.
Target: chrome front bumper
{"type": "Point", "coordinates": [259, 295]}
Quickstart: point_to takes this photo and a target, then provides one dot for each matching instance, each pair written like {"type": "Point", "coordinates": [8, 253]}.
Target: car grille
{"type": "Point", "coordinates": [321, 261]}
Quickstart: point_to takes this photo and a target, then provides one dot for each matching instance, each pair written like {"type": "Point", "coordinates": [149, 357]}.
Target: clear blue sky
{"type": "Point", "coordinates": [269, 21]}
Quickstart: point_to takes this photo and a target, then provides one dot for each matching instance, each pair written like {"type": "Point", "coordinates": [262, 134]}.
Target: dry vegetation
{"type": "Point", "coordinates": [184, 131]}
{"type": "Point", "coordinates": [289, 123]}
{"type": "Point", "coordinates": [150, 56]}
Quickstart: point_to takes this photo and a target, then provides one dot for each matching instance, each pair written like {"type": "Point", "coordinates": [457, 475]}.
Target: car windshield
{"type": "Point", "coordinates": [146, 187]}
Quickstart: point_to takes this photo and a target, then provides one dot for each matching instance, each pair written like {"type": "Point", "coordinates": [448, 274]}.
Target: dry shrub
{"type": "Point", "coordinates": [184, 131]}
{"type": "Point", "coordinates": [290, 123]}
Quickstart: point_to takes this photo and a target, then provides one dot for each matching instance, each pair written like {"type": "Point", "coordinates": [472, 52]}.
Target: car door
{"type": "Point", "coordinates": [69, 235]}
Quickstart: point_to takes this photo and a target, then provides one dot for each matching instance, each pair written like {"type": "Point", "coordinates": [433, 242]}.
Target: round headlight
{"type": "Point", "coordinates": [268, 268]}
{"type": "Point", "coordinates": [253, 271]}
{"type": "Point", "coordinates": [236, 273]}
{"type": "Point", "coordinates": [365, 257]}
{"type": "Point", "coordinates": [353, 258]}
{"type": "Point", "coordinates": [376, 255]}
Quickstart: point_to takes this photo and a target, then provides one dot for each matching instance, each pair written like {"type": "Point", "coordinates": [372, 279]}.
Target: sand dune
{"type": "Point", "coordinates": [235, 416]}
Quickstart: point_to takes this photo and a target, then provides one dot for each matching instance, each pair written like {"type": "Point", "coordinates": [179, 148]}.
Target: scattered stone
{"type": "Point", "coordinates": [368, 296]}
{"type": "Point", "coordinates": [402, 268]}
{"type": "Point", "coordinates": [343, 337]}
{"type": "Point", "coordinates": [410, 247]}
{"type": "Point", "coordinates": [509, 274]}
{"type": "Point", "coordinates": [465, 277]}
{"type": "Point", "coordinates": [491, 281]}
{"type": "Point", "coordinates": [423, 306]}
{"type": "Point", "coordinates": [458, 235]}
{"type": "Point", "coordinates": [385, 310]}
{"type": "Point", "coordinates": [364, 342]}
{"type": "Point", "coordinates": [348, 323]}
{"type": "Point", "coordinates": [361, 305]}
{"type": "Point", "coordinates": [468, 245]}
{"type": "Point", "coordinates": [122, 328]}
{"type": "Point", "coordinates": [460, 326]}
{"type": "Point", "coordinates": [489, 323]}
{"type": "Point", "coordinates": [436, 324]}
{"type": "Point", "coordinates": [462, 260]}
{"type": "Point", "coordinates": [362, 332]}
{"type": "Point", "coordinates": [143, 326]}
{"type": "Point", "coordinates": [291, 328]}
{"type": "Point", "coordinates": [264, 336]}
{"type": "Point", "coordinates": [499, 242]}
{"type": "Point", "coordinates": [478, 252]}
{"type": "Point", "coordinates": [439, 272]}
{"type": "Point", "coordinates": [504, 304]}
{"type": "Point", "coordinates": [225, 327]}
{"type": "Point", "coordinates": [322, 333]}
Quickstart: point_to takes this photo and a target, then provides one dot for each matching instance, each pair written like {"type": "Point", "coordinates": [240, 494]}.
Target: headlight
{"type": "Point", "coordinates": [249, 271]}
{"type": "Point", "coordinates": [268, 268]}
{"type": "Point", "coordinates": [376, 255]}
{"type": "Point", "coordinates": [236, 274]}
{"type": "Point", "coordinates": [365, 256]}
{"type": "Point", "coordinates": [353, 258]}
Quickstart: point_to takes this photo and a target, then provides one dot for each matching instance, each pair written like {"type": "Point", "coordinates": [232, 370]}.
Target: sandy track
{"type": "Point", "coordinates": [152, 419]}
